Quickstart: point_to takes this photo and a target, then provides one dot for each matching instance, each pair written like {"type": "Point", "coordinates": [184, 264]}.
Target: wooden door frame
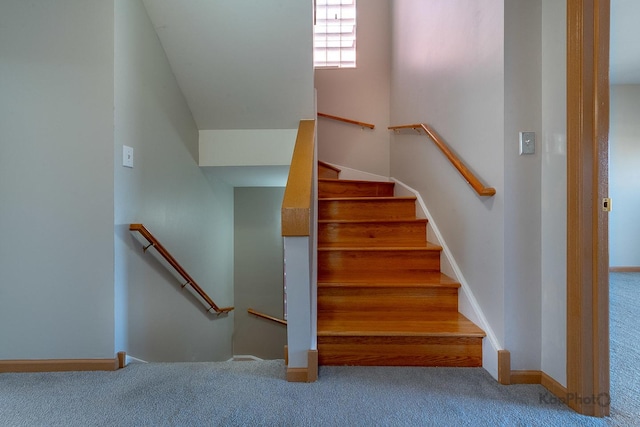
{"type": "Point", "coordinates": [587, 225]}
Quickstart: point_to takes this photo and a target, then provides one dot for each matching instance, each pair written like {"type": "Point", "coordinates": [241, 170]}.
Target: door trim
{"type": "Point", "coordinates": [587, 224]}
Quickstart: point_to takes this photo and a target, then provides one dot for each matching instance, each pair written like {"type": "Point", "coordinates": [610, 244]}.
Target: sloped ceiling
{"type": "Point", "coordinates": [625, 42]}
{"type": "Point", "coordinates": [241, 64]}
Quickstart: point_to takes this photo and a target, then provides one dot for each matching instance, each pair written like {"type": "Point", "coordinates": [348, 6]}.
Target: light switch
{"type": "Point", "coordinates": [527, 143]}
{"type": "Point", "coordinates": [127, 156]}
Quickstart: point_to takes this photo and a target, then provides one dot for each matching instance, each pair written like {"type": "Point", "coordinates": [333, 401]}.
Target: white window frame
{"type": "Point", "coordinates": [334, 34]}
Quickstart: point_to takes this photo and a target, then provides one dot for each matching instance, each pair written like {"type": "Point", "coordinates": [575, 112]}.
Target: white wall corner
{"type": "Point", "coordinates": [467, 303]}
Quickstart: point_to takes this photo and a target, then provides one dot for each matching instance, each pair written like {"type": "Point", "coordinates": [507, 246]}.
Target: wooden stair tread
{"type": "Point", "coordinates": [431, 280]}
{"type": "Point", "coordinates": [353, 181]}
{"type": "Point", "coordinates": [367, 231]}
{"type": "Point", "coordinates": [378, 246]}
{"type": "Point", "coordinates": [376, 207]}
{"type": "Point", "coordinates": [372, 221]}
{"type": "Point", "coordinates": [382, 299]}
{"type": "Point", "coordinates": [330, 187]}
{"type": "Point", "coordinates": [434, 324]}
{"type": "Point", "coordinates": [365, 199]}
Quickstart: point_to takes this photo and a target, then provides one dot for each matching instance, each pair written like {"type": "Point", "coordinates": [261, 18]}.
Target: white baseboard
{"type": "Point", "coordinates": [131, 359]}
{"type": "Point", "coordinates": [235, 358]}
{"type": "Point", "coordinates": [467, 303]}
{"type": "Point", "coordinates": [244, 358]}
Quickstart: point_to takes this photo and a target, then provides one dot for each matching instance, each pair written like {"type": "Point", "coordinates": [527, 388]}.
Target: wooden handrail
{"type": "Point", "coordinates": [296, 203]}
{"type": "Point", "coordinates": [342, 119]}
{"type": "Point", "coordinates": [469, 176]}
{"type": "Point", "coordinates": [153, 242]}
{"type": "Point", "coordinates": [266, 316]}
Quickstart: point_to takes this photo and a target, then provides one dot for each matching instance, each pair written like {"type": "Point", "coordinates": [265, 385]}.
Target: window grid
{"type": "Point", "coordinates": [334, 42]}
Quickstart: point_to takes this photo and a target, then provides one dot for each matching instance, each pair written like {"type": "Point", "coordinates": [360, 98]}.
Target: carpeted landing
{"type": "Point", "coordinates": [256, 394]}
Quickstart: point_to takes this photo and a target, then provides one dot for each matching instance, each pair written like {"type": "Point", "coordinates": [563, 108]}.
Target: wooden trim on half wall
{"type": "Point", "coordinates": [305, 375]}
{"type": "Point", "coordinates": [587, 185]}
{"type": "Point", "coordinates": [297, 375]}
{"type": "Point", "coordinates": [504, 367]}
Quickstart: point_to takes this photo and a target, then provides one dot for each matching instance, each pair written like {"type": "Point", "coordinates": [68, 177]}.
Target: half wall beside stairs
{"type": "Point", "coordinates": [298, 225]}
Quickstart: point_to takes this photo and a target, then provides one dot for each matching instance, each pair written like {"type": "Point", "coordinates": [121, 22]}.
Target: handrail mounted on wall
{"type": "Point", "coordinates": [469, 176]}
{"type": "Point", "coordinates": [152, 242]}
{"type": "Point", "coordinates": [345, 120]}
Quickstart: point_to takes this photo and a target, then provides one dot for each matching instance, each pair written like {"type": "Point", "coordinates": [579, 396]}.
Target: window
{"type": "Point", "coordinates": [334, 41]}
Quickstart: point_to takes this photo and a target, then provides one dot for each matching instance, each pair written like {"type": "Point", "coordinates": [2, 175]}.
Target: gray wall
{"type": "Point", "coordinates": [166, 190]}
{"type": "Point", "coordinates": [553, 146]}
{"type": "Point", "coordinates": [522, 174]}
{"type": "Point", "coordinates": [258, 272]}
{"type": "Point", "coordinates": [448, 70]}
{"type": "Point", "coordinates": [56, 179]}
{"type": "Point", "coordinates": [624, 176]}
{"type": "Point", "coordinates": [480, 74]}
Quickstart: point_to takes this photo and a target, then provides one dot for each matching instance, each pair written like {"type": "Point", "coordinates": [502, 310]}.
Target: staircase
{"type": "Point", "coordinates": [382, 299]}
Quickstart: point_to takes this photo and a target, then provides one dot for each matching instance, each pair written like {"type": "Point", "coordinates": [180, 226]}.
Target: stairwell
{"type": "Point", "coordinates": [382, 299]}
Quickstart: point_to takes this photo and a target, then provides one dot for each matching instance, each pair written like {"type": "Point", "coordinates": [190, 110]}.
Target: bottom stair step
{"type": "Point", "coordinates": [400, 351]}
{"type": "Point", "coordinates": [429, 340]}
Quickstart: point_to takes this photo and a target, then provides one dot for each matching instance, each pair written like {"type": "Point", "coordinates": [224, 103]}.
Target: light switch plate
{"type": "Point", "coordinates": [127, 156]}
{"type": "Point", "coordinates": [527, 143]}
